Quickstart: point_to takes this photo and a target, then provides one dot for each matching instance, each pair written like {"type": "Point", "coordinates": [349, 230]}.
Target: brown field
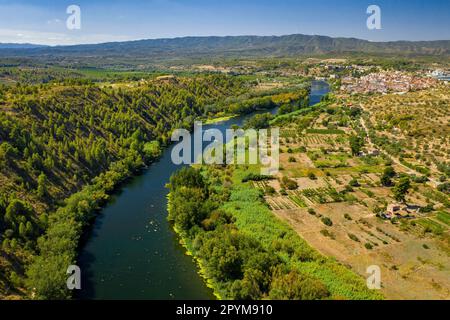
{"type": "Point", "coordinates": [409, 271]}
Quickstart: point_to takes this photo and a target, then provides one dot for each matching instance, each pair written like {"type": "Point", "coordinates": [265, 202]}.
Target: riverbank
{"type": "Point", "coordinates": [187, 245]}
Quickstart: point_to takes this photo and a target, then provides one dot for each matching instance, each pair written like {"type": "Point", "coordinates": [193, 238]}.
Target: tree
{"type": "Point", "coordinates": [7, 152]}
{"type": "Point", "coordinates": [401, 189]}
{"type": "Point", "coordinates": [15, 211]}
{"type": "Point", "coordinates": [386, 178]}
{"type": "Point", "coordinates": [152, 150]}
{"type": "Point", "coordinates": [22, 230]}
{"type": "Point", "coordinates": [390, 172]}
{"type": "Point", "coordinates": [293, 286]}
{"type": "Point", "coordinates": [222, 257]}
{"type": "Point", "coordinates": [247, 288]}
{"type": "Point", "coordinates": [42, 185]}
{"type": "Point", "coordinates": [187, 177]}
{"type": "Point", "coordinates": [47, 277]}
{"type": "Point", "coordinates": [258, 121]}
{"type": "Point", "coordinates": [186, 207]}
{"type": "Point", "coordinates": [356, 143]}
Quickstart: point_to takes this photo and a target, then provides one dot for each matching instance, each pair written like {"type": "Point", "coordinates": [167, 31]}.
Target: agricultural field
{"type": "Point", "coordinates": [335, 200]}
{"type": "Point", "coordinates": [414, 128]}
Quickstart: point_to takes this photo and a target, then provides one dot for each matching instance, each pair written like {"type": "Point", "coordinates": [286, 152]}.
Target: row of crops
{"type": "Point", "coordinates": [262, 185]}
{"type": "Point", "coordinates": [323, 195]}
{"type": "Point", "coordinates": [297, 197]}
{"type": "Point", "coordinates": [281, 203]}
{"type": "Point", "coordinates": [302, 198]}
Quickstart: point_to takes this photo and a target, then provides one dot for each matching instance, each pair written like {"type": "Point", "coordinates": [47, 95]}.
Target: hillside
{"type": "Point", "coordinates": [55, 139]}
{"type": "Point", "coordinates": [230, 46]}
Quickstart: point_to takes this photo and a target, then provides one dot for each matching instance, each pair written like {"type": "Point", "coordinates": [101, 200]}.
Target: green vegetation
{"type": "Point", "coordinates": [78, 141]}
{"type": "Point", "coordinates": [386, 178]}
{"type": "Point", "coordinates": [356, 144]}
{"type": "Point", "coordinates": [353, 237]}
{"type": "Point", "coordinates": [401, 189]}
{"type": "Point", "coordinates": [289, 183]}
{"type": "Point", "coordinates": [328, 234]}
{"type": "Point", "coordinates": [443, 217]}
{"type": "Point", "coordinates": [430, 226]}
{"type": "Point", "coordinates": [244, 251]}
{"type": "Point", "coordinates": [324, 131]}
{"type": "Point", "coordinates": [256, 177]}
{"type": "Point", "coordinates": [258, 121]}
{"type": "Point", "coordinates": [326, 221]}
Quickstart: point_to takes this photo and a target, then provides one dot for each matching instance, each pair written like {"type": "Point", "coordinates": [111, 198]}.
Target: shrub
{"type": "Point", "coordinates": [354, 183]}
{"type": "Point", "coordinates": [327, 233]}
{"type": "Point", "coordinates": [312, 176]}
{"type": "Point", "coordinates": [327, 221]}
{"type": "Point", "coordinates": [270, 190]}
{"type": "Point", "coordinates": [256, 177]}
{"type": "Point", "coordinates": [289, 183]}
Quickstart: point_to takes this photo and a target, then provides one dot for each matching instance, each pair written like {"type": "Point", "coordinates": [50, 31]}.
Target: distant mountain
{"type": "Point", "coordinates": [20, 46]}
{"type": "Point", "coordinates": [232, 46]}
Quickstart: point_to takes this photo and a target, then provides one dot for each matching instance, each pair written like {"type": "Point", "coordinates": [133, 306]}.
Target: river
{"type": "Point", "coordinates": [132, 252]}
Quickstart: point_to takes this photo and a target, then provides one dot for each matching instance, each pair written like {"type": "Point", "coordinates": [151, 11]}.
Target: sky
{"type": "Point", "coordinates": [44, 21]}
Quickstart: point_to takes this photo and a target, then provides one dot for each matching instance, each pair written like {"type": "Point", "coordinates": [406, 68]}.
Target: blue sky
{"type": "Point", "coordinates": [44, 21]}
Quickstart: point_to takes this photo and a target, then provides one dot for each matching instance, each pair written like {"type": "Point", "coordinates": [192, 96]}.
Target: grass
{"type": "Point", "coordinates": [299, 172]}
{"type": "Point", "coordinates": [444, 217]}
{"type": "Point", "coordinates": [321, 160]}
{"type": "Point", "coordinates": [431, 226]}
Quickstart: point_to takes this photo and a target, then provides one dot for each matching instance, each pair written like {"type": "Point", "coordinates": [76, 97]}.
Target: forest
{"type": "Point", "coordinates": [66, 146]}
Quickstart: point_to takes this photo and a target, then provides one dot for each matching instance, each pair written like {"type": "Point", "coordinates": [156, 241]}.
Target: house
{"type": "Point", "coordinates": [371, 152]}
{"type": "Point", "coordinates": [399, 210]}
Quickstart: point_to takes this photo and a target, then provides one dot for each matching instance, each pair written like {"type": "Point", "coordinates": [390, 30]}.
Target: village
{"type": "Point", "coordinates": [386, 81]}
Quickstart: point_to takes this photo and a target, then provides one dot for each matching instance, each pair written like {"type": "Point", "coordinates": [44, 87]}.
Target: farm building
{"type": "Point", "coordinates": [399, 210]}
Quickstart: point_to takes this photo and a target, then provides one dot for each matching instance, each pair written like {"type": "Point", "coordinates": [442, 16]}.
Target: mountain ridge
{"type": "Point", "coordinates": [234, 46]}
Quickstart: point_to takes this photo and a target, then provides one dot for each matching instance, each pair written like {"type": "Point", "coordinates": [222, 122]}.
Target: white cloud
{"type": "Point", "coordinates": [55, 38]}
